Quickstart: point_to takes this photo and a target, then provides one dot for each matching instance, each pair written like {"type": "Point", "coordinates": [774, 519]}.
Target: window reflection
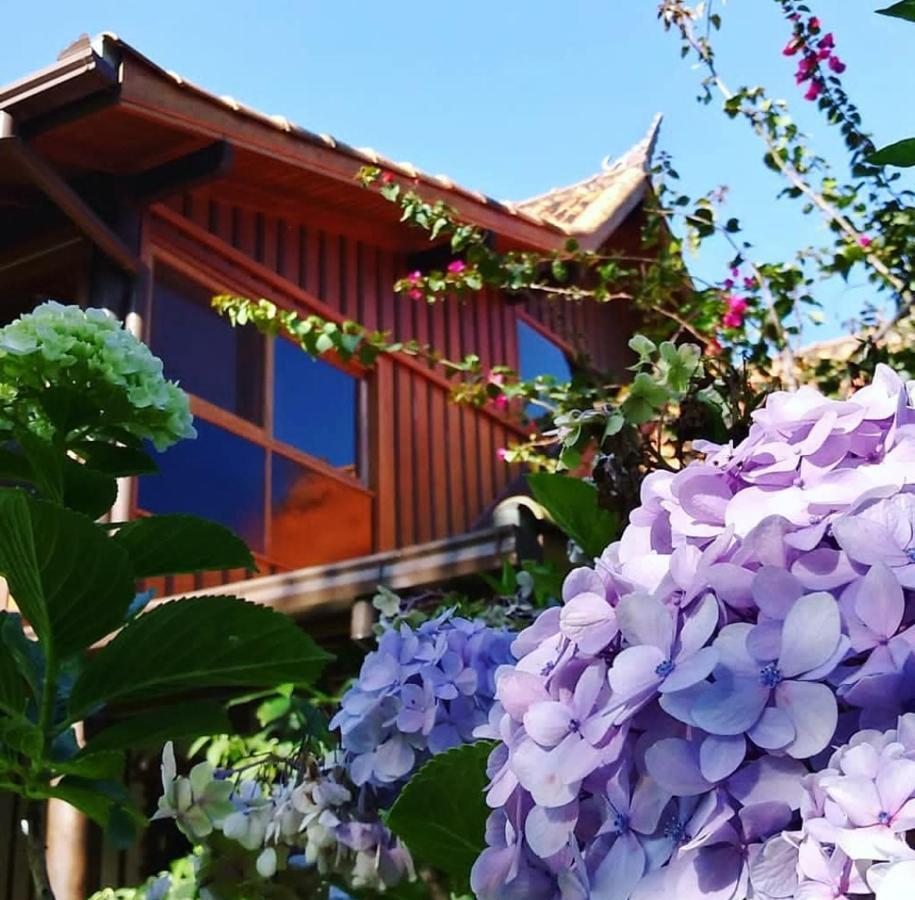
{"type": "Point", "coordinates": [540, 356]}
{"type": "Point", "coordinates": [314, 406]}
{"type": "Point", "coordinates": [316, 518]}
{"type": "Point", "coordinates": [218, 476]}
{"type": "Point", "coordinates": [202, 351]}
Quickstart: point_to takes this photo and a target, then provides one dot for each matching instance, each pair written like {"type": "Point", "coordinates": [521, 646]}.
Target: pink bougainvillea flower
{"type": "Point", "coordinates": [827, 42]}
{"type": "Point", "coordinates": [415, 294]}
{"type": "Point", "coordinates": [415, 277]}
{"type": "Point", "coordinates": [791, 47]}
{"type": "Point", "coordinates": [864, 241]}
{"type": "Point", "coordinates": [387, 177]}
{"type": "Point", "coordinates": [836, 65]}
{"type": "Point", "coordinates": [813, 24]}
{"type": "Point", "coordinates": [501, 453]}
{"type": "Point", "coordinates": [455, 267]}
{"type": "Point", "coordinates": [814, 91]}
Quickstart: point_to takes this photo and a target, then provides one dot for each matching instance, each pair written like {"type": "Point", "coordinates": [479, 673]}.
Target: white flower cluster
{"type": "Point", "coordinates": [89, 354]}
{"type": "Point", "coordinates": [307, 820]}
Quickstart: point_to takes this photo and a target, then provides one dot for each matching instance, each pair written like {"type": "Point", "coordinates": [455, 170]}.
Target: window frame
{"type": "Point", "coordinates": [211, 280]}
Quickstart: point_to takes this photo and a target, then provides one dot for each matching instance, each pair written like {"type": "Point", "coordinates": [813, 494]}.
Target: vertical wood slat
{"type": "Point", "coordinates": [384, 474]}
{"type": "Point", "coordinates": [403, 417]}
{"type": "Point", "coordinates": [422, 492]}
{"type": "Point", "coordinates": [438, 401]}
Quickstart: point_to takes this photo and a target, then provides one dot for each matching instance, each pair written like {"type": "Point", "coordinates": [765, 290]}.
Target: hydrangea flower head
{"type": "Point", "coordinates": [86, 356]}
{"type": "Point", "coordinates": [668, 731]}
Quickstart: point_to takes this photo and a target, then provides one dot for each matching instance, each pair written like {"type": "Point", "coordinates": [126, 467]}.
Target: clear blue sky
{"type": "Point", "coordinates": [509, 97]}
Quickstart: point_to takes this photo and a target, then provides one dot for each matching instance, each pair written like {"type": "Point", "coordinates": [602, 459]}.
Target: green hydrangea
{"type": "Point", "coordinates": [62, 367]}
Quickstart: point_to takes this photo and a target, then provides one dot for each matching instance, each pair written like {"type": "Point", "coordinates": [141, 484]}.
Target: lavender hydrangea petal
{"type": "Point", "coordinates": [813, 711]}
{"type": "Point", "coordinates": [811, 632]}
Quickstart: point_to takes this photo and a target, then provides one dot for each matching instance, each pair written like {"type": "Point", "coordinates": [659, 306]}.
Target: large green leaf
{"type": "Point", "coordinates": [114, 459]}
{"type": "Point", "coordinates": [572, 504]}
{"type": "Point", "coordinates": [26, 653]}
{"type": "Point", "coordinates": [167, 545]}
{"type": "Point", "coordinates": [155, 727]}
{"type": "Point", "coordinates": [441, 813]}
{"type": "Point", "coordinates": [197, 642]}
{"type": "Point", "coordinates": [12, 685]}
{"type": "Point", "coordinates": [902, 154]}
{"type": "Point", "coordinates": [71, 582]}
{"type": "Point", "coordinates": [905, 9]}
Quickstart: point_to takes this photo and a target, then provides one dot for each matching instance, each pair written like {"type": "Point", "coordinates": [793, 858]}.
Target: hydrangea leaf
{"type": "Point", "coordinates": [573, 506]}
{"type": "Point", "coordinates": [173, 544]}
{"type": "Point", "coordinates": [197, 642]}
{"type": "Point", "coordinates": [12, 685]}
{"type": "Point", "coordinates": [71, 582]}
{"type": "Point", "coordinates": [155, 727]}
{"type": "Point", "coordinates": [441, 813]}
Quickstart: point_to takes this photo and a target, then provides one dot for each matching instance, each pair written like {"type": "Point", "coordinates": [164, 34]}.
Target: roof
{"type": "Point", "coordinates": [581, 207]}
{"type": "Point", "coordinates": [588, 210]}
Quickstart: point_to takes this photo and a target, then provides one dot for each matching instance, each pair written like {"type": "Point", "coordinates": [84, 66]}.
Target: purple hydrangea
{"type": "Point", "coordinates": [667, 732]}
{"type": "Point", "coordinates": [421, 692]}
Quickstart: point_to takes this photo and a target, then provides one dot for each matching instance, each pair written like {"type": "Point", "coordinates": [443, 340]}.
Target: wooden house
{"type": "Point", "coordinates": [126, 187]}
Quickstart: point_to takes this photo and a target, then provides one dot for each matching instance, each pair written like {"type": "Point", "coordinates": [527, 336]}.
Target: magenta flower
{"type": "Point", "coordinates": [456, 266]}
{"type": "Point", "coordinates": [836, 65]}
{"type": "Point", "coordinates": [415, 277]}
{"type": "Point", "coordinates": [864, 241]}
{"type": "Point", "coordinates": [815, 89]}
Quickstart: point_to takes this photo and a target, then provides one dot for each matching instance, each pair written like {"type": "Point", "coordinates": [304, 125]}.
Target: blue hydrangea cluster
{"type": "Point", "coordinates": [421, 692]}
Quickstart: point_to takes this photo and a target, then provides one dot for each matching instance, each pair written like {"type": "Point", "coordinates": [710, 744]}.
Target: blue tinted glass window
{"type": "Point", "coordinates": [314, 405]}
{"type": "Point", "coordinates": [540, 356]}
{"type": "Point", "coordinates": [218, 476]}
{"type": "Point", "coordinates": [202, 351]}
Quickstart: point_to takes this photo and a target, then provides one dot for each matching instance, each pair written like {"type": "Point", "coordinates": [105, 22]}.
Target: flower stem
{"type": "Point", "coordinates": [36, 848]}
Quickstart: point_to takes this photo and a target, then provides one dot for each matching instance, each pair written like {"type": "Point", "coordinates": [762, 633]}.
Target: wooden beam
{"type": "Point", "coordinates": [184, 173]}
{"type": "Point", "coordinates": [69, 202]}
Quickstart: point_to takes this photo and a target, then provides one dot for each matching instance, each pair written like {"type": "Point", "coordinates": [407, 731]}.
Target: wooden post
{"type": "Point", "coordinates": [67, 835]}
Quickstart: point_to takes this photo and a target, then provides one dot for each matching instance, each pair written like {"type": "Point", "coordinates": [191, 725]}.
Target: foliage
{"type": "Point", "coordinates": [452, 839]}
{"type": "Point", "coordinates": [78, 394]}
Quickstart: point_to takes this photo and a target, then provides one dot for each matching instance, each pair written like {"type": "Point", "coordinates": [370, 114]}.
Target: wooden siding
{"type": "Point", "coordinates": [432, 467]}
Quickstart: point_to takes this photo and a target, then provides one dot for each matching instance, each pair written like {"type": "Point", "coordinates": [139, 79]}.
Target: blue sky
{"type": "Point", "coordinates": [509, 97]}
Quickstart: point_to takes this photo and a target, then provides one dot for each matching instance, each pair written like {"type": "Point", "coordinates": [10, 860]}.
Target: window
{"type": "Point", "coordinates": [538, 355]}
{"type": "Point", "coordinates": [219, 476]}
{"type": "Point", "coordinates": [314, 406]}
{"type": "Point", "coordinates": [274, 425]}
{"type": "Point", "coordinates": [202, 351]}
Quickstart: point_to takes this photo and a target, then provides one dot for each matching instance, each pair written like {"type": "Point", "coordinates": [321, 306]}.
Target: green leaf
{"type": "Point", "coordinates": [678, 365]}
{"type": "Point", "coordinates": [645, 397]}
{"type": "Point", "coordinates": [104, 764]}
{"type": "Point", "coordinates": [168, 545]}
{"type": "Point", "coordinates": [901, 154]}
{"type": "Point", "coordinates": [905, 9]}
{"type": "Point", "coordinates": [12, 686]}
{"type": "Point", "coordinates": [23, 735]}
{"type": "Point", "coordinates": [87, 491]}
{"type": "Point", "coordinates": [26, 653]}
{"type": "Point", "coordinates": [572, 504]}
{"type": "Point", "coordinates": [155, 727]}
{"type": "Point", "coordinates": [643, 346]}
{"type": "Point", "coordinates": [71, 582]}
{"type": "Point", "coordinates": [113, 459]}
{"type": "Point", "coordinates": [197, 642]}
{"type": "Point", "coordinates": [441, 813]}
